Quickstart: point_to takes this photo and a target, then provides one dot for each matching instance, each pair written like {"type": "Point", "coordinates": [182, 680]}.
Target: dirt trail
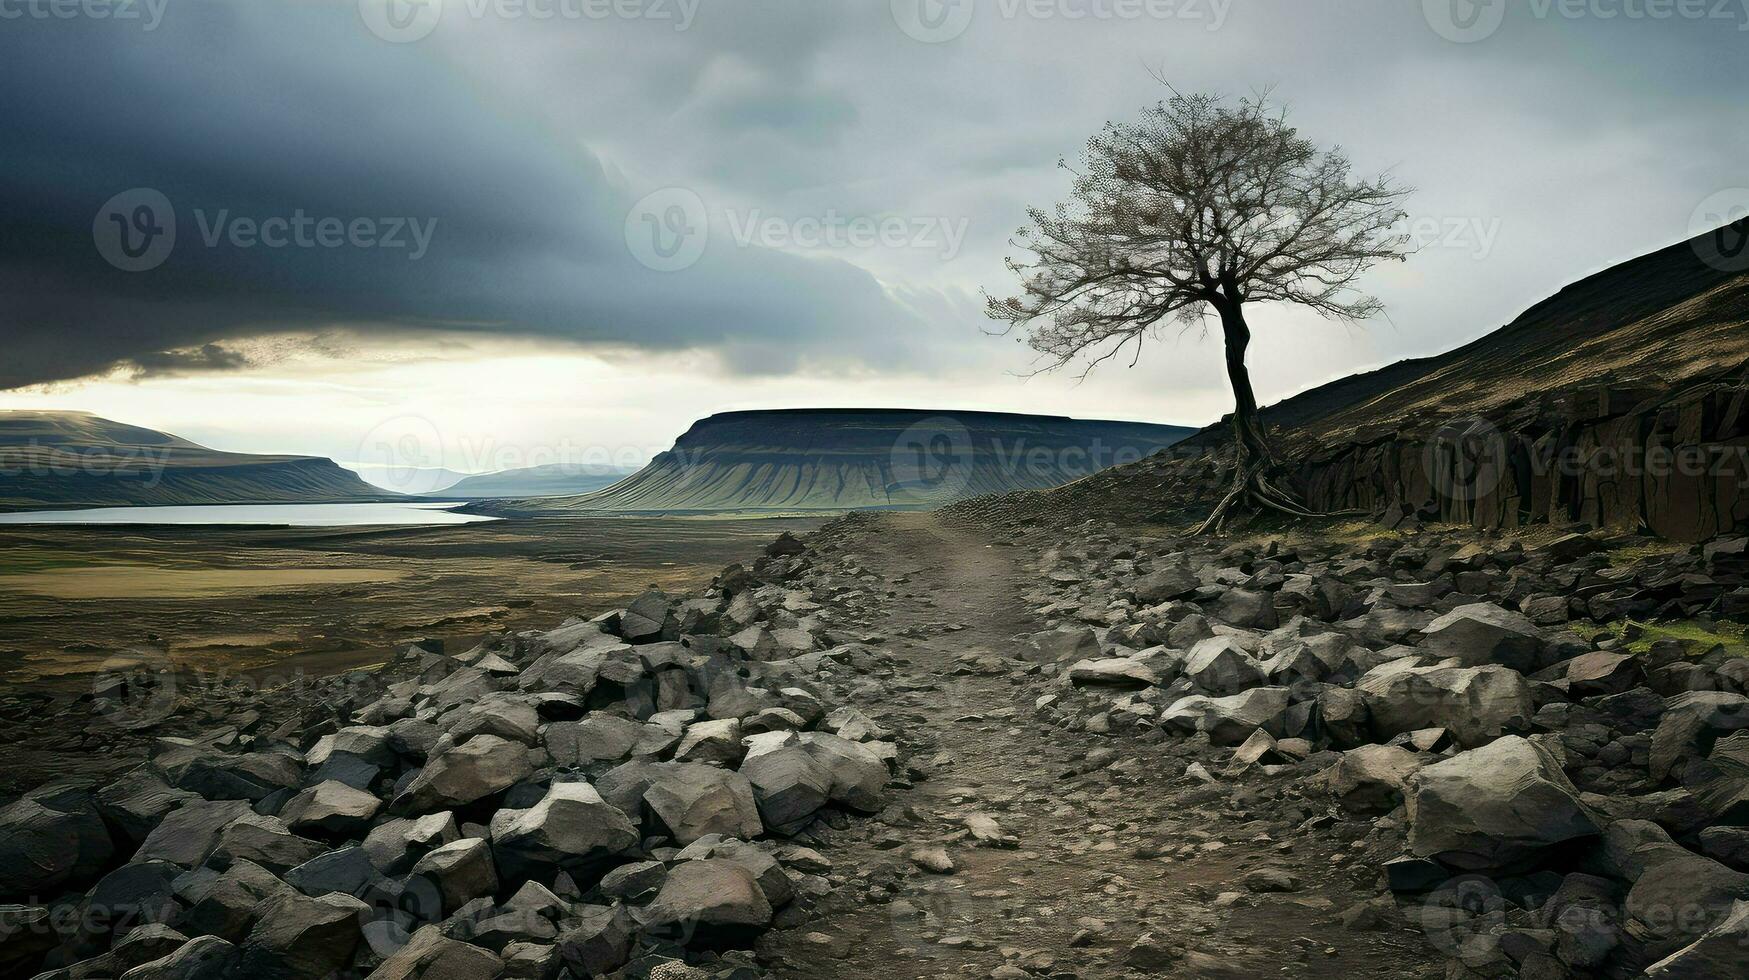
{"type": "Point", "coordinates": [1104, 852]}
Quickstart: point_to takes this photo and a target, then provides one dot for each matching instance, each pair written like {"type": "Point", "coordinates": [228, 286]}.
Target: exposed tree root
{"type": "Point", "coordinates": [1253, 491]}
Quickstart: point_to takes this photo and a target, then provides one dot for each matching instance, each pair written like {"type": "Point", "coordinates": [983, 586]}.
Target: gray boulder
{"type": "Point", "coordinates": [852, 724]}
{"type": "Point", "coordinates": [136, 802]}
{"type": "Point", "coordinates": [461, 870]}
{"type": "Point", "coordinates": [506, 715]}
{"type": "Point", "coordinates": [715, 742]}
{"type": "Point", "coordinates": [52, 839]}
{"type": "Point", "coordinates": [1164, 584]}
{"type": "Point", "coordinates": [858, 769]}
{"type": "Point", "coordinates": [1373, 778]}
{"type": "Point", "coordinates": [692, 801]}
{"type": "Point", "coordinates": [648, 619]}
{"type": "Point", "coordinates": [1059, 646]}
{"type": "Point", "coordinates": [1600, 673]}
{"type": "Point", "coordinates": [789, 784]}
{"type": "Point", "coordinates": [1690, 724]}
{"type": "Point", "coordinates": [265, 841]}
{"type": "Point", "coordinates": [303, 938]}
{"type": "Point", "coordinates": [711, 902]}
{"type": "Point", "coordinates": [1475, 704]}
{"type": "Point", "coordinates": [1495, 807]}
{"type": "Point", "coordinates": [1219, 665]}
{"type": "Point", "coordinates": [596, 940]}
{"type": "Point", "coordinates": [480, 767]}
{"type": "Point", "coordinates": [218, 775]}
{"type": "Point", "coordinates": [1685, 897]}
{"type": "Point", "coordinates": [634, 883]}
{"type": "Point", "coordinates": [227, 903]}
{"type": "Point", "coordinates": [1722, 952]}
{"type": "Point", "coordinates": [201, 958]}
{"type": "Point", "coordinates": [331, 809]}
{"type": "Point", "coordinates": [394, 845]}
{"type": "Point", "coordinates": [430, 955]}
{"type": "Point", "coordinates": [367, 742]}
{"type": "Point", "coordinates": [1230, 720]}
{"type": "Point", "coordinates": [1247, 609]}
{"type": "Point", "coordinates": [597, 738]}
{"type": "Point", "coordinates": [1119, 672]}
{"type": "Point", "coordinates": [187, 835]}
{"type": "Point", "coordinates": [571, 829]}
{"type": "Point", "coordinates": [346, 870]}
{"type": "Point", "coordinates": [1483, 633]}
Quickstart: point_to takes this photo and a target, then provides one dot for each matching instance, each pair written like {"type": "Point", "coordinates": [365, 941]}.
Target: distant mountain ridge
{"type": "Point", "coordinates": [836, 460]}
{"type": "Point", "coordinates": [550, 480]}
{"type": "Point", "coordinates": [53, 460]}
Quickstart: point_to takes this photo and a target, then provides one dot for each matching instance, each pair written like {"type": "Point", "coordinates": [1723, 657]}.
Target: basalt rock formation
{"type": "Point", "coordinates": [1620, 402]}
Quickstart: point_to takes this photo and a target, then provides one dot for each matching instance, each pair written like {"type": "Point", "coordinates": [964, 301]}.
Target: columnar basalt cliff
{"type": "Point", "coordinates": [1674, 463]}
{"type": "Point", "coordinates": [1620, 402]}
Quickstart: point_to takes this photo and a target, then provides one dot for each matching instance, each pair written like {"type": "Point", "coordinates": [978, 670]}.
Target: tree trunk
{"type": "Point", "coordinates": [1247, 431]}
{"type": "Point", "coordinates": [1252, 459]}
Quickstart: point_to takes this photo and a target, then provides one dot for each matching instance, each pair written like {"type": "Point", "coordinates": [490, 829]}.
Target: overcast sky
{"type": "Point", "coordinates": [519, 228]}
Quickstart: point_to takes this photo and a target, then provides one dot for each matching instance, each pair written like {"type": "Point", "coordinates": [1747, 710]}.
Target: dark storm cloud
{"type": "Point", "coordinates": [1565, 141]}
{"type": "Point", "coordinates": [320, 176]}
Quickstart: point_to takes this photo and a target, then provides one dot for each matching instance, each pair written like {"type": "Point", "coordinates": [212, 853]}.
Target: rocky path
{"type": "Point", "coordinates": [1116, 863]}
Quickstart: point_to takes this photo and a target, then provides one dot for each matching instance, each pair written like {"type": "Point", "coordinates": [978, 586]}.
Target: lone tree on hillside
{"type": "Point", "coordinates": [1202, 207]}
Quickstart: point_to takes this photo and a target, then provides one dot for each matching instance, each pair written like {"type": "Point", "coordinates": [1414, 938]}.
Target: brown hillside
{"type": "Point", "coordinates": [1633, 363]}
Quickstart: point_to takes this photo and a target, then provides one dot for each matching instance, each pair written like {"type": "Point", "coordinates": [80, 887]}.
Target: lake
{"type": "Point", "coordinates": [279, 515]}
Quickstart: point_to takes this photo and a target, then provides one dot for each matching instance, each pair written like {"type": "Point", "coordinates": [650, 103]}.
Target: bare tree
{"type": "Point", "coordinates": [1202, 207]}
